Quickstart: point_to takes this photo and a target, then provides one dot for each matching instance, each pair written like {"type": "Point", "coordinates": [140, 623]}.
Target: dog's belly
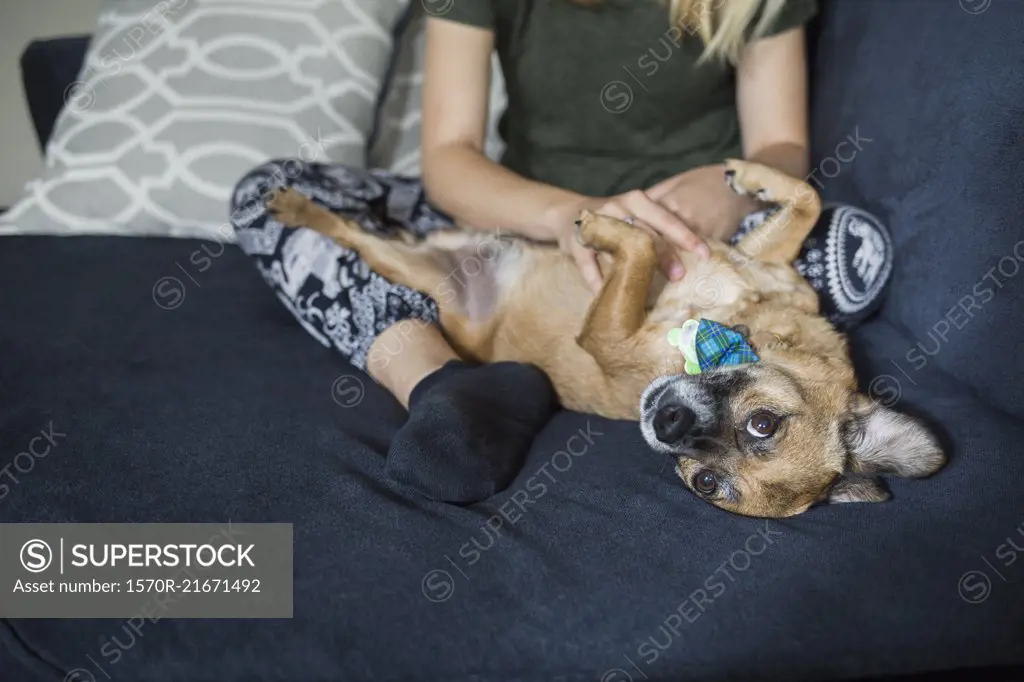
{"type": "Point", "coordinates": [472, 263]}
{"type": "Point", "coordinates": [524, 303]}
{"type": "Point", "coordinates": [710, 289]}
{"type": "Point", "coordinates": [543, 302]}
{"type": "Point", "coordinates": [512, 300]}
{"type": "Point", "coordinates": [489, 278]}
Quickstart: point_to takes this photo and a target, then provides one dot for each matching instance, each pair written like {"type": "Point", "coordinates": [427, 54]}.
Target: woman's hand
{"type": "Point", "coordinates": [701, 198]}
{"type": "Point", "coordinates": [645, 214]}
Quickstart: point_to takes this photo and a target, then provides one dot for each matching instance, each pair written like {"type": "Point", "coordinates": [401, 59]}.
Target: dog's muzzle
{"type": "Point", "coordinates": [672, 410]}
{"type": "Point", "coordinates": [672, 421]}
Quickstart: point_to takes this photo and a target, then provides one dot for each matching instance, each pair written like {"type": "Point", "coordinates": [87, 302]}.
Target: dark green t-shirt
{"type": "Point", "coordinates": [605, 100]}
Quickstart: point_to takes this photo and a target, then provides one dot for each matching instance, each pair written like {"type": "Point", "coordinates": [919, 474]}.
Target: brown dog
{"type": "Point", "coordinates": [763, 439]}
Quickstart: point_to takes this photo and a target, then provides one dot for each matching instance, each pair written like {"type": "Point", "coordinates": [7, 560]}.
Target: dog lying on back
{"type": "Point", "coordinates": [768, 438]}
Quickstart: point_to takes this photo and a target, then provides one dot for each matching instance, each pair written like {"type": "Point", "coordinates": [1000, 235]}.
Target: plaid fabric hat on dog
{"type": "Point", "coordinates": [706, 344]}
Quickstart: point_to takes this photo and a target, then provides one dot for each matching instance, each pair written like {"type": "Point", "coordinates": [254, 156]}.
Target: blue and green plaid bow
{"type": "Point", "coordinates": [706, 344]}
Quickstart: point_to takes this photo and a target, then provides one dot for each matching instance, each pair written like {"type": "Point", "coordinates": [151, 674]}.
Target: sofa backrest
{"type": "Point", "coordinates": [918, 115]}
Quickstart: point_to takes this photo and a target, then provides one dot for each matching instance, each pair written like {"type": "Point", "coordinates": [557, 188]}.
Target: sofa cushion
{"type": "Point", "coordinates": [918, 115]}
{"type": "Point", "coordinates": [219, 408]}
{"type": "Point", "coordinates": [177, 99]}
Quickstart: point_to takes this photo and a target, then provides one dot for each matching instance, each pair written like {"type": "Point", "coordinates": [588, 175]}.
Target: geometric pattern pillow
{"type": "Point", "coordinates": [396, 146]}
{"type": "Point", "coordinates": [177, 99]}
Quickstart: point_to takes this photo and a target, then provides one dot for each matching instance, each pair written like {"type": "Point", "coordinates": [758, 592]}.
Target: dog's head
{"type": "Point", "coordinates": [772, 438]}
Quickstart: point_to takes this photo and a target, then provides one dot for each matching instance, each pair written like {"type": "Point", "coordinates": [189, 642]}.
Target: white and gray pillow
{"type": "Point", "coordinates": [179, 98]}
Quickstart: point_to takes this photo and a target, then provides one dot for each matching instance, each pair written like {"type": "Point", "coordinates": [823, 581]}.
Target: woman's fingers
{"type": "Point", "coordinates": [665, 222]}
{"type": "Point", "coordinates": [586, 261]}
{"type": "Point", "coordinates": [616, 209]}
{"type": "Point", "coordinates": [668, 261]}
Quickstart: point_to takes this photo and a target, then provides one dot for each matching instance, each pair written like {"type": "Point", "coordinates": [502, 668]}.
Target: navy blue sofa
{"type": "Point", "coordinates": [221, 409]}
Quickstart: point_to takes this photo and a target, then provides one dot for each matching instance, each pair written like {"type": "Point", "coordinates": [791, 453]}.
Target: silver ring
{"type": "Point", "coordinates": [629, 220]}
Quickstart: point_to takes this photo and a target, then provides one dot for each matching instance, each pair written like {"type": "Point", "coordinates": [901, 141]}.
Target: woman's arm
{"type": "Point", "coordinates": [459, 178]}
{"type": "Point", "coordinates": [771, 94]}
{"type": "Point", "coordinates": [477, 192]}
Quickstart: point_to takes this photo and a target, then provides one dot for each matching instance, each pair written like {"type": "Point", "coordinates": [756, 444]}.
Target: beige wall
{"type": "Point", "coordinates": [20, 22]}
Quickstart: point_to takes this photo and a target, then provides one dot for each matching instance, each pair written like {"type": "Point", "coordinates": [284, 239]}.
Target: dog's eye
{"type": "Point", "coordinates": [762, 424]}
{"type": "Point", "coordinates": [705, 482]}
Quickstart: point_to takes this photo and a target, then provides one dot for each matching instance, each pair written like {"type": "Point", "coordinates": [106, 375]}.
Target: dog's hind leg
{"type": "Point", "coordinates": [618, 311]}
{"type": "Point", "coordinates": [779, 238]}
{"type": "Point", "coordinates": [417, 266]}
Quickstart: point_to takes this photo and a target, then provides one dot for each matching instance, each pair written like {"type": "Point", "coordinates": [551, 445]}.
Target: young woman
{"type": "Point", "coordinates": [623, 107]}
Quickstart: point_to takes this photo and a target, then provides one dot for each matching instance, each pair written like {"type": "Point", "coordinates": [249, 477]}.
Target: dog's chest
{"type": "Point", "coordinates": [709, 289]}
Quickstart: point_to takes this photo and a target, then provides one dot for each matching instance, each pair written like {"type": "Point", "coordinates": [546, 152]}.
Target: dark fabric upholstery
{"type": "Point", "coordinates": [940, 94]}
{"type": "Point", "coordinates": [221, 409]}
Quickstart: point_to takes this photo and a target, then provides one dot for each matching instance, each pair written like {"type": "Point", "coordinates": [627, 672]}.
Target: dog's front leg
{"type": "Point", "coordinates": [618, 311]}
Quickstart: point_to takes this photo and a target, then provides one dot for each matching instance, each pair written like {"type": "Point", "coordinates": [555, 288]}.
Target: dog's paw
{"type": "Point", "coordinates": [603, 233]}
{"type": "Point", "coordinates": [742, 178]}
{"type": "Point", "coordinates": [732, 169]}
{"type": "Point", "coordinates": [591, 231]}
{"type": "Point", "coordinates": [577, 233]}
{"type": "Point", "coordinates": [287, 206]}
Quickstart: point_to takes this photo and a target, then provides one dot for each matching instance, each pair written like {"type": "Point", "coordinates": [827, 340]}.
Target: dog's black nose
{"type": "Point", "coordinates": [672, 421]}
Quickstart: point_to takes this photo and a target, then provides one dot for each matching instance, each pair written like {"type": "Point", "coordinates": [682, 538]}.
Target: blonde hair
{"type": "Point", "coordinates": [724, 26]}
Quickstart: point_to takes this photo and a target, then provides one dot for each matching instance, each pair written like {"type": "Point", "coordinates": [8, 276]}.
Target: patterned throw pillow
{"type": "Point", "coordinates": [396, 146]}
{"type": "Point", "coordinates": [177, 99]}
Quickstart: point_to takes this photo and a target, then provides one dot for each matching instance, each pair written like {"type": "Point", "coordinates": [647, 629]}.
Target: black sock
{"type": "Point", "coordinates": [469, 429]}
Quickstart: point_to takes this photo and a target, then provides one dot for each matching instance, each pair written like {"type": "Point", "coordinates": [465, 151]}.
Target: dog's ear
{"type": "Point", "coordinates": [857, 488]}
{"type": "Point", "coordinates": [882, 441]}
